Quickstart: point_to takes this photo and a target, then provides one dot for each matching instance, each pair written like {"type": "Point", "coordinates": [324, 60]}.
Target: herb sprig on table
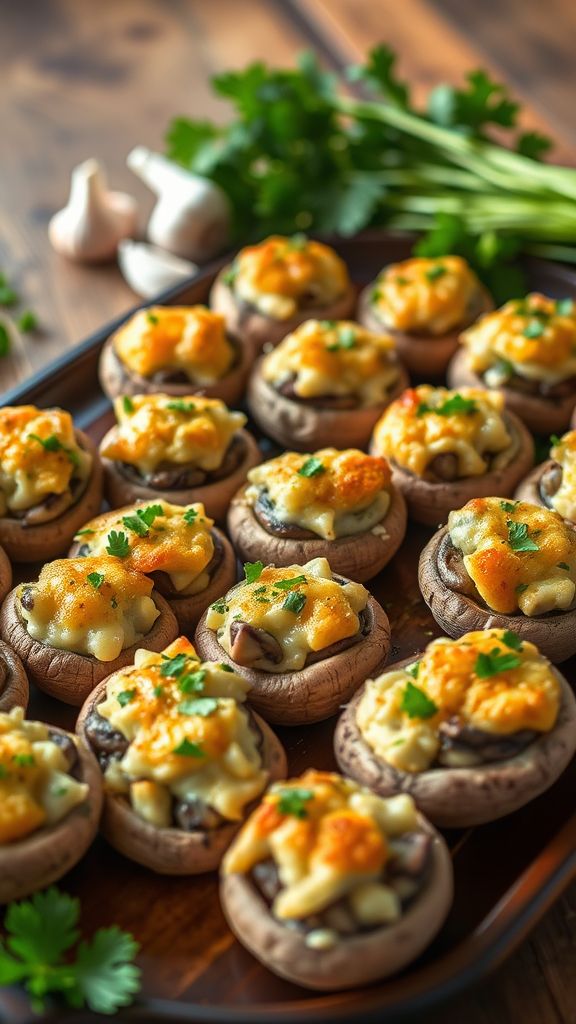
{"type": "Point", "coordinates": [303, 154]}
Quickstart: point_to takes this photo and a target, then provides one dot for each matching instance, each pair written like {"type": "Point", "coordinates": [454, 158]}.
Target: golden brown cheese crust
{"type": "Point", "coordinates": [425, 296]}
{"type": "Point", "coordinates": [534, 337]}
{"type": "Point", "coordinates": [155, 429]}
{"type": "Point", "coordinates": [520, 556]}
{"type": "Point", "coordinates": [420, 425]}
{"type": "Point", "coordinates": [335, 358]}
{"type": "Point", "coordinates": [564, 453]}
{"type": "Point", "coordinates": [452, 674]}
{"type": "Point", "coordinates": [187, 338]}
{"type": "Point", "coordinates": [39, 456]}
{"type": "Point", "coordinates": [281, 275]}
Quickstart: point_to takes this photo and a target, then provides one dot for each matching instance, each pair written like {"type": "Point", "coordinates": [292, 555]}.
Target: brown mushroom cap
{"type": "Point", "coordinates": [303, 427]}
{"type": "Point", "coordinates": [316, 691]}
{"type": "Point", "coordinates": [461, 797]}
{"type": "Point", "coordinates": [5, 574]}
{"type": "Point", "coordinates": [357, 960]}
{"type": "Point", "coordinates": [554, 633]}
{"type": "Point", "coordinates": [118, 379]}
{"type": "Point", "coordinates": [256, 330]}
{"type": "Point", "coordinates": [425, 355]}
{"type": "Point", "coordinates": [44, 856]}
{"type": "Point", "coordinates": [50, 540]}
{"type": "Point", "coordinates": [358, 557]}
{"type": "Point", "coordinates": [542, 415]}
{"type": "Point", "coordinates": [172, 851]}
{"type": "Point", "coordinates": [216, 496]}
{"type": "Point", "coordinates": [430, 501]}
{"type": "Point", "coordinates": [14, 689]}
{"type": "Point", "coordinates": [69, 676]}
{"type": "Point", "coordinates": [529, 489]}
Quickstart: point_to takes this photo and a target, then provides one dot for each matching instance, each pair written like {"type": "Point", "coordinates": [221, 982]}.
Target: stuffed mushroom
{"type": "Point", "coordinates": [553, 483]}
{"type": "Point", "coordinates": [183, 450]}
{"type": "Point", "coordinates": [179, 350]}
{"type": "Point", "coordinates": [14, 688]}
{"type": "Point", "coordinates": [445, 447]}
{"type": "Point", "coordinates": [507, 564]}
{"type": "Point", "coordinates": [528, 349]}
{"type": "Point", "coordinates": [332, 886]}
{"type": "Point", "coordinates": [272, 287]}
{"type": "Point", "coordinates": [82, 618]}
{"type": "Point", "coordinates": [183, 758]}
{"type": "Point", "coordinates": [303, 637]}
{"type": "Point", "coordinates": [190, 561]}
{"type": "Point", "coordinates": [340, 505]}
{"type": "Point", "coordinates": [424, 303]}
{"type": "Point", "coordinates": [472, 730]}
{"type": "Point", "coordinates": [325, 384]}
{"type": "Point", "coordinates": [50, 804]}
{"type": "Point", "coordinates": [50, 482]}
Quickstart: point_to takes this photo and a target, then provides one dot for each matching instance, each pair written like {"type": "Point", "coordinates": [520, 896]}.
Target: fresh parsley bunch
{"type": "Point", "coordinates": [37, 954]}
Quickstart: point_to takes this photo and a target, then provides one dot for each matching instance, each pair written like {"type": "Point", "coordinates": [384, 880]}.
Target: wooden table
{"type": "Point", "coordinates": [79, 80]}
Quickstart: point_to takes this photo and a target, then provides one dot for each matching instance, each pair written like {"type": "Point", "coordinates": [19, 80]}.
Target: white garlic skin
{"type": "Point", "coordinates": [150, 270]}
{"type": "Point", "coordinates": [94, 220]}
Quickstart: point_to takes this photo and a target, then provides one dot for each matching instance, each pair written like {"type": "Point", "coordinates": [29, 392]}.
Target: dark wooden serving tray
{"type": "Point", "coordinates": [507, 874]}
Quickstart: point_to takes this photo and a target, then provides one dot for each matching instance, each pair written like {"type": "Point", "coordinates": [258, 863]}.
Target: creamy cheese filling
{"type": "Point", "coordinates": [189, 735]}
{"type": "Point", "coordinates": [95, 606]}
{"type": "Point", "coordinates": [425, 295]}
{"type": "Point", "coordinates": [489, 680]}
{"type": "Point", "coordinates": [564, 453]}
{"type": "Point", "coordinates": [36, 788]}
{"type": "Point", "coordinates": [187, 338]}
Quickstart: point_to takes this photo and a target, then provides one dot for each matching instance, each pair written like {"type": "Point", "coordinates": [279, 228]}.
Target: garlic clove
{"type": "Point", "coordinates": [192, 216]}
{"type": "Point", "coordinates": [94, 220]}
{"type": "Point", "coordinates": [150, 270]}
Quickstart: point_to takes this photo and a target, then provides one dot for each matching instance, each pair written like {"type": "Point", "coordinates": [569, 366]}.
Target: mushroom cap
{"type": "Point", "coordinates": [316, 691]}
{"type": "Point", "coordinates": [118, 379]}
{"type": "Point", "coordinates": [358, 557]}
{"type": "Point", "coordinates": [357, 960]}
{"type": "Point", "coordinates": [256, 330]}
{"type": "Point", "coordinates": [461, 797]}
{"type": "Point", "coordinates": [172, 851]}
{"type": "Point", "coordinates": [216, 496]}
{"type": "Point", "coordinates": [554, 633]}
{"type": "Point", "coordinates": [5, 574]}
{"type": "Point", "coordinates": [48, 853]}
{"type": "Point", "coordinates": [430, 501]}
{"type": "Point", "coordinates": [424, 355]}
{"type": "Point", "coordinates": [50, 540]}
{"type": "Point", "coordinates": [542, 415]}
{"type": "Point", "coordinates": [14, 689]}
{"type": "Point", "coordinates": [529, 488]}
{"type": "Point", "coordinates": [303, 427]}
{"type": "Point", "coordinates": [66, 675]}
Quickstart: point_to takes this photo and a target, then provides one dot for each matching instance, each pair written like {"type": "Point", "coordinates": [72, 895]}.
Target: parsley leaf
{"type": "Point", "coordinates": [534, 329]}
{"type": "Point", "coordinates": [564, 307]}
{"type": "Point", "coordinates": [294, 602]}
{"type": "Point", "coordinates": [128, 405]}
{"type": "Point", "coordinates": [126, 697]}
{"type": "Point", "coordinates": [54, 444]}
{"type": "Point", "coordinates": [508, 506]}
{"type": "Point", "coordinates": [27, 321]}
{"type": "Point", "coordinates": [118, 544]}
{"type": "Point", "coordinates": [83, 533]}
{"type": "Point", "coordinates": [190, 516]}
{"type": "Point", "coordinates": [416, 703]}
{"type": "Point", "coordinates": [203, 706]}
{"type": "Point", "coordinates": [152, 318]}
{"type": "Point", "coordinates": [512, 640]}
{"type": "Point", "coordinates": [433, 273]}
{"type": "Point", "coordinates": [288, 584]}
{"type": "Point", "coordinates": [518, 538]}
{"type": "Point", "coordinates": [253, 571]}
{"type": "Point", "coordinates": [174, 666]}
{"type": "Point", "coordinates": [104, 975]}
{"type": "Point", "coordinates": [456, 405]}
{"type": "Point", "coordinates": [413, 669]}
{"type": "Point", "coordinates": [192, 682]}
{"type": "Point", "coordinates": [293, 801]}
{"type": "Point", "coordinates": [179, 405]}
{"type": "Point", "coordinates": [220, 606]}
{"type": "Point", "coordinates": [345, 339]}
{"type": "Point", "coordinates": [136, 525]}
{"type": "Point", "coordinates": [312, 467]}
{"type": "Point", "coordinates": [150, 513]}
{"type": "Point", "coordinates": [95, 579]}
{"type": "Point", "coordinates": [488, 665]}
{"type": "Point", "coordinates": [188, 749]}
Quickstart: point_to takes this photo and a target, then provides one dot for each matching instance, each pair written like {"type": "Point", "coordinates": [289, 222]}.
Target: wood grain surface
{"type": "Point", "coordinates": [79, 79]}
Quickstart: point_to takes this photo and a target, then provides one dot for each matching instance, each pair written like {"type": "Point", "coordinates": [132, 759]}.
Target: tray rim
{"type": "Point", "coordinates": [501, 931]}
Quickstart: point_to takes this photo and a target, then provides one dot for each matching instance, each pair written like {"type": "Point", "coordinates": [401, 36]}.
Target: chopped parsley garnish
{"type": "Point", "coordinates": [28, 321]}
{"type": "Point", "coordinates": [375, 295]}
{"type": "Point", "coordinates": [24, 760]}
{"type": "Point", "coordinates": [512, 640]}
{"type": "Point", "coordinates": [253, 571]}
{"type": "Point", "coordinates": [174, 666]}
{"type": "Point", "coordinates": [220, 606]}
{"type": "Point", "coordinates": [328, 325]}
{"type": "Point", "coordinates": [150, 513]}
{"type": "Point", "coordinates": [158, 691]}
{"type": "Point", "coordinates": [401, 280]}
{"type": "Point", "coordinates": [564, 565]}
{"type": "Point", "coordinates": [312, 467]}
{"type": "Point", "coordinates": [293, 801]}
{"type": "Point", "coordinates": [179, 405]}
{"type": "Point", "coordinates": [518, 538]}
{"type": "Point", "coordinates": [95, 579]}
{"type": "Point", "coordinates": [136, 525]}
{"type": "Point", "coordinates": [230, 274]}
{"type": "Point", "coordinates": [260, 590]}
{"type": "Point", "coordinates": [192, 682]}
{"type": "Point", "coordinates": [298, 241]}
{"type": "Point", "coordinates": [435, 272]}
{"type": "Point", "coordinates": [117, 544]}
{"type": "Point", "coordinates": [126, 697]}
{"type": "Point", "coordinates": [127, 405]}
{"type": "Point", "coordinates": [203, 706]}
{"type": "Point", "coordinates": [345, 339]}
{"type": "Point", "coordinates": [508, 506]}
{"type": "Point", "coordinates": [496, 661]}
{"type": "Point", "coordinates": [225, 667]}
{"type": "Point", "coordinates": [152, 318]}
{"type": "Point", "coordinates": [454, 406]}
{"type": "Point", "coordinates": [54, 444]}
{"type": "Point", "coordinates": [294, 602]}
{"type": "Point", "coordinates": [521, 588]}
{"type": "Point", "coordinates": [555, 440]}
{"type": "Point", "coordinates": [190, 516]}
{"type": "Point", "coordinates": [83, 533]}
{"type": "Point", "coordinates": [564, 307]}
{"type": "Point", "coordinates": [534, 329]}
{"type": "Point", "coordinates": [416, 703]}
{"type": "Point", "coordinates": [413, 669]}
{"type": "Point", "coordinates": [188, 749]}
{"type": "Point", "coordinates": [288, 584]}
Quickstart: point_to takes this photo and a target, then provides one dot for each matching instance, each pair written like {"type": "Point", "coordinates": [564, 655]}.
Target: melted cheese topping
{"type": "Point", "coordinates": [531, 337]}
{"type": "Point", "coordinates": [347, 493]}
{"type": "Point", "coordinates": [190, 738]}
{"type": "Point", "coordinates": [39, 455]}
{"type": "Point", "coordinates": [564, 453]}
{"type": "Point", "coordinates": [96, 606]}
{"type": "Point", "coordinates": [428, 296]}
{"type": "Point", "coordinates": [526, 696]}
{"type": "Point", "coordinates": [155, 429]}
{"type": "Point", "coordinates": [328, 837]}
{"type": "Point", "coordinates": [36, 789]}
{"type": "Point", "coordinates": [520, 556]}
{"type": "Point", "coordinates": [412, 433]}
{"type": "Point", "coordinates": [328, 357]}
{"type": "Point", "coordinates": [280, 275]}
{"type": "Point", "coordinates": [161, 538]}
{"type": "Point", "coordinates": [188, 338]}
{"type": "Point", "coordinates": [329, 613]}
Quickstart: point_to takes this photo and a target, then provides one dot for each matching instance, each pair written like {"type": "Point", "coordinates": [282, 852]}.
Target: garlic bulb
{"type": "Point", "coordinates": [94, 220]}
{"type": "Point", "coordinates": [150, 270]}
{"type": "Point", "coordinates": [192, 215]}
